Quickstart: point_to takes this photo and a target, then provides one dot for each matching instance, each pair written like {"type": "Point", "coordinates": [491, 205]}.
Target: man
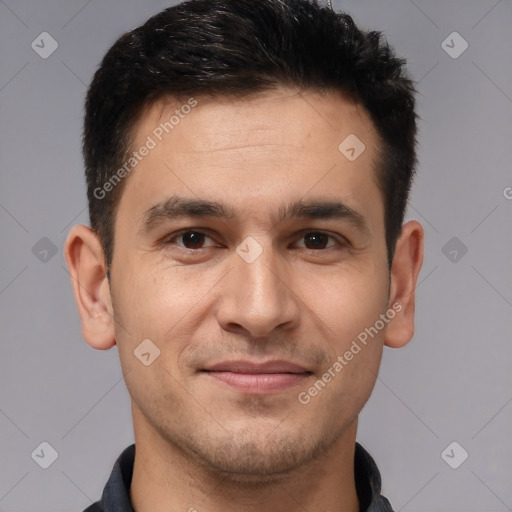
{"type": "Point", "coordinates": [248, 166]}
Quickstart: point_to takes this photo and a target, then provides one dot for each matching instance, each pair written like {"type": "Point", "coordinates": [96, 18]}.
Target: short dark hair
{"type": "Point", "coordinates": [236, 48]}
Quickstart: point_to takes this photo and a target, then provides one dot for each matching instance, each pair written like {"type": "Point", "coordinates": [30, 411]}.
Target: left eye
{"type": "Point", "coordinates": [316, 240]}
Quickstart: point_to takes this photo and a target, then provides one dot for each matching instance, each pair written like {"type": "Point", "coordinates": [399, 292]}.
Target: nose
{"type": "Point", "coordinates": [259, 297]}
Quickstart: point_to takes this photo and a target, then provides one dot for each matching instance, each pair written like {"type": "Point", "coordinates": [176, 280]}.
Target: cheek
{"type": "Point", "coordinates": [350, 308]}
{"type": "Point", "coordinates": [347, 301]}
{"type": "Point", "coordinates": [151, 307]}
{"type": "Point", "coordinates": [350, 304]}
{"type": "Point", "coordinates": [163, 306]}
{"type": "Point", "coordinates": [145, 296]}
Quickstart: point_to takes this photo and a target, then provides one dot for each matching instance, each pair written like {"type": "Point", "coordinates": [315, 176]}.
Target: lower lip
{"type": "Point", "coordinates": [257, 383]}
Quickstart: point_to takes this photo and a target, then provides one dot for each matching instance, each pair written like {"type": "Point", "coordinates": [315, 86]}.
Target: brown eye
{"type": "Point", "coordinates": [193, 240]}
{"type": "Point", "coordinates": [316, 240]}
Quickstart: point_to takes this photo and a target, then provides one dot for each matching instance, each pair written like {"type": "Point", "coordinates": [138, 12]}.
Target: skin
{"type": "Point", "coordinates": [202, 444]}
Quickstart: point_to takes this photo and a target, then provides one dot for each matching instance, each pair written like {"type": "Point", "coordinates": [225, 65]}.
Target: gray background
{"type": "Point", "coordinates": [452, 383]}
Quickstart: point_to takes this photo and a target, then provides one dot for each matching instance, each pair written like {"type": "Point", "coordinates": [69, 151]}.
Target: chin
{"type": "Point", "coordinates": [258, 458]}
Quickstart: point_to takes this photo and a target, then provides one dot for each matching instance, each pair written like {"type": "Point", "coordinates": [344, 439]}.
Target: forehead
{"type": "Point", "coordinates": [217, 123]}
{"type": "Point", "coordinates": [279, 143]}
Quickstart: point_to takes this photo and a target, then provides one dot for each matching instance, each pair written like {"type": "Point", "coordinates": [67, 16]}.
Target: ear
{"type": "Point", "coordinates": [86, 264]}
{"type": "Point", "coordinates": [405, 268]}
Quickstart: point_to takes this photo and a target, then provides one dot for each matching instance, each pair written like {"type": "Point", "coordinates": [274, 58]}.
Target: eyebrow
{"type": "Point", "coordinates": [177, 207]}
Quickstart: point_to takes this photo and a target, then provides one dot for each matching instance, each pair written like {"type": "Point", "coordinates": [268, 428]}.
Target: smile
{"type": "Point", "coordinates": [258, 378]}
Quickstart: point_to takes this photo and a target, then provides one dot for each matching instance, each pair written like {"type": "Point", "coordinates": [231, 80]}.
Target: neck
{"type": "Point", "coordinates": [167, 479]}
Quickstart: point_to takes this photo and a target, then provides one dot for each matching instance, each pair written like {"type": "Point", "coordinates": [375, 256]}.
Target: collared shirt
{"type": "Point", "coordinates": [116, 494]}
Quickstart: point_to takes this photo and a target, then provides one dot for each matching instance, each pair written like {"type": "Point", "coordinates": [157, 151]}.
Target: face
{"type": "Point", "coordinates": [251, 251]}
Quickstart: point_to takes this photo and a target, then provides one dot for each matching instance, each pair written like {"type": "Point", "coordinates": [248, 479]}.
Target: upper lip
{"type": "Point", "coordinates": [243, 366]}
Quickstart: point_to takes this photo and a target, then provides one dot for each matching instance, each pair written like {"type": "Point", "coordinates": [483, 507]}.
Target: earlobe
{"type": "Point", "coordinates": [405, 269]}
{"type": "Point", "coordinates": [87, 268]}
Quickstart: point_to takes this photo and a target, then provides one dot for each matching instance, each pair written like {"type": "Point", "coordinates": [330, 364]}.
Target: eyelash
{"type": "Point", "coordinates": [340, 240]}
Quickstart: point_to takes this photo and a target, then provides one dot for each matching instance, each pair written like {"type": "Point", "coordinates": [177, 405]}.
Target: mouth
{"type": "Point", "coordinates": [258, 378]}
